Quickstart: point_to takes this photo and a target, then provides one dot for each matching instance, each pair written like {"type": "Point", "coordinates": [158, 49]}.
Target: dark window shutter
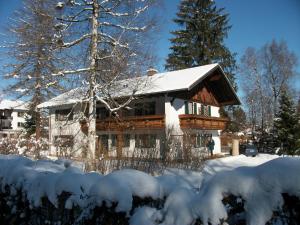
{"type": "Point", "coordinates": [186, 107]}
{"type": "Point", "coordinates": [209, 110]}
{"type": "Point", "coordinates": [202, 109]}
{"type": "Point", "coordinates": [195, 108]}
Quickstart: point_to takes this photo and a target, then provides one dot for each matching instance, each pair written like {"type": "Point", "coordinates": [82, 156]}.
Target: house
{"type": "Point", "coordinates": [173, 110]}
{"type": "Point", "coordinates": [12, 117]}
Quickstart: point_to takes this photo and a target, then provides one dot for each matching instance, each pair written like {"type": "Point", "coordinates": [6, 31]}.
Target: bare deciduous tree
{"type": "Point", "coordinates": [112, 32]}
{"type": "Point", "coordinates": [265, 73]}
{"type": "Point", "coordinates": [279, 67]}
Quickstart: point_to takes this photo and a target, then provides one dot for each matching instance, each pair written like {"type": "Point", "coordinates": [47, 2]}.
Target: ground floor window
{"type": "Point", "coordinates": [126, 140]}
{"type": "Point", "coordinates": [113, 140]}
{"type": "Point", "coordinates": [198, 140]}
{"type": "Point", "coordinates": [145, 140]}
{"type": "Point", "coordinates": [103, 142]}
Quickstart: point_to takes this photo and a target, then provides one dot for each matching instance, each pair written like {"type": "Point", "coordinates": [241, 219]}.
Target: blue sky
{"type": "Point", "coordinates": [254, 22]}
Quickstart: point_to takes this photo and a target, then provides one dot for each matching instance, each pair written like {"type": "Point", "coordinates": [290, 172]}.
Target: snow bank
{"type": "Point", "coordinates": [186, 196]}
{"type": "Point", "coordinates": [261, 187]}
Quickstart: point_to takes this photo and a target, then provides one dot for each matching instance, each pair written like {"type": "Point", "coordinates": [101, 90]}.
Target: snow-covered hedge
{"type": "Point", "coordinates": [58, 193]}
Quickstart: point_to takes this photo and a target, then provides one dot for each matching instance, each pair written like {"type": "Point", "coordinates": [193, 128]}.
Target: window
{"type": "Point", "coordinates": [7, 113]}
{"type": "Point", "coordinates": [20, 124]}
{"type": "Point", "coordinates": [21, 114]}
{"type": "Point", "coordinates": [149, 108]}
{"type": "Point", "coordinates": [190, 107]}
{"type": "Point", "coordinates": [103, 142]}
{"type": "Point", "coordinates": [138, 109]}
{"type": "Point", "coordinates": [126, 140]}
{"type": "Point", "coordinates": [113, 140]}
{"type": "Point", "coordinates": [199, 140]}
{"type": "Point", "coordinates": [102, 113]}
{"type": "Point", "coordinates": [63, 114]}
{"type": "Point", "coordinates": [146, 108]}
{"type": "Point", "coordinates": [145, 141]}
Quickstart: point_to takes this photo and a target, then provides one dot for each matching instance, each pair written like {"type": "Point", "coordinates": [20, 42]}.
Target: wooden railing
{"type": "Point", "coordinates": [190, 121]}
{"type": "Point", "coordinates": [130, 123]}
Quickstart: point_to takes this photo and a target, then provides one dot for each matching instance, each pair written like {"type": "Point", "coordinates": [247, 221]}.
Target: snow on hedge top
{"type": "Point", "coordinates": [158, 83]}
{"type": "Point", "coordinates": [9, 104]}
{"type": "Point", "coordinates": [188, 195]}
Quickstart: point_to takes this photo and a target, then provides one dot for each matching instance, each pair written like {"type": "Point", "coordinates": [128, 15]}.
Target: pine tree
{"type": "Point", "coordinates": [29, 125]}
{"type": "Point", "coordinates": [287, 125]}
{"type": "Point", "coordinates": [200, 40]}
{"type": "Point", "coordinates": [33, 56]}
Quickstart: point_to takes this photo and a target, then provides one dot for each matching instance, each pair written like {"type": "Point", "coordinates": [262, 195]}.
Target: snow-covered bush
{"type": "Point", "coordinates": [33, 192]}
{"type": "Point", "coordinates": [27, 146]}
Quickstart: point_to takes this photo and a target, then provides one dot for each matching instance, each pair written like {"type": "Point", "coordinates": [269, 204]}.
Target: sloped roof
{"type": "Point", "coordinates": [172, 81]}
{"type": "Point", "coordinates": [12, 104]}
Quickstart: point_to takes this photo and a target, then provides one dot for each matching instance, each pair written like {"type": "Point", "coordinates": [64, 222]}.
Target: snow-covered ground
{"type": "Point", "coordinates": [189, 195]}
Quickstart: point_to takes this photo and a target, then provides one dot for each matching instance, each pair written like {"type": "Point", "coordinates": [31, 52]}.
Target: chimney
{"type": "Point", "coordinates": [151, 72]}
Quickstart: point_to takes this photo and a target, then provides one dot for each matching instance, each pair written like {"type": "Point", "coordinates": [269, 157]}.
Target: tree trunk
{"type": "Point", "coordinates": [92, 82]}
{"type": "Point", "coordinates": [38, 124]}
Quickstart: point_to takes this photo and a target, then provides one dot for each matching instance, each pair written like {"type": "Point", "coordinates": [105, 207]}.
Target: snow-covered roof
{"type": "Point", "coordinates": [12, 104]}
{"type": "Point", "coordinates": [165, 82]}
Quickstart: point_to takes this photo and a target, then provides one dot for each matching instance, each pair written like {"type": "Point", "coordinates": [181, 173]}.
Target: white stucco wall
{"type": "Point", "coordinates": [16, 119]}
{"type": "Point", "coordinates": [173, 108]}
{"type": "Point", "coordinates": [71, 127]}
{"type": "Point", "coordinates": [215, 111]}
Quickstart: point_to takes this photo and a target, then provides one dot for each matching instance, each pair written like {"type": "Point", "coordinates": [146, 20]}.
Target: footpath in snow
{"type": "Point", "coordinates": [186, 195]}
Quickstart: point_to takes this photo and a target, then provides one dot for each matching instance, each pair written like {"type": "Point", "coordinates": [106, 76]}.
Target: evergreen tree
{"type": "Point", "coordinates": [33, 56]}
{"type": "Point", "coordinates": [200, 39]}
{"type": "Point", "coordinates": [29, 125]}
{"type": "Point", "coordinates": [287, 125]}
{"type": "Point", "coordinates": [237, 120]}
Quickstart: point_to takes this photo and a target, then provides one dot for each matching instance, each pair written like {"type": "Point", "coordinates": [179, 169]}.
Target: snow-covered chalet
{"type": "Point", "coordinates": [182, 106]}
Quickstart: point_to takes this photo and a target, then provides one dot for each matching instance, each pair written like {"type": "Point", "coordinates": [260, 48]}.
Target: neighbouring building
{"type": "Point", "coordinates": [12, 117]}
{"type": "Point", "coordinates": [173, 110]}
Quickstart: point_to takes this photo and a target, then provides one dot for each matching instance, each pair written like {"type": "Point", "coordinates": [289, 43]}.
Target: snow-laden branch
{"type": "Point", "coordinates": [75, 42]}
{"type": "Point", "coordinates": [113, 41]}
{"type": "Point", "coordinates": [127, 28]}
{"type": "Point", "coordinates": [62, 73]}
{"type": "Point", "coordinates": [119, 106]}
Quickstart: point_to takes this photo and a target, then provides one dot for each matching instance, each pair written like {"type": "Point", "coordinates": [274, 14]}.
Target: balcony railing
{"type": "Point", "coordinates": [190, 121]}
{"type": "Point", "coordinates": [128, 123]}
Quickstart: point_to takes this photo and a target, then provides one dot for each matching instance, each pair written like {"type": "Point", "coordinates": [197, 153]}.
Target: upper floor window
{"type": "Point", "coordinates": [21, 114]}
{"type": "Point", "coordinates": [102, 113]}
{"type": "Point", "coordinates": [20, 124]}
{"type": "Point", "coordinates": [63, 114]}
{"type": "Point", "coordinates": [5, 114]}
{"type": "Point", "coordinates": [145, 108]}
{"type": "Point", "coordinates": [197, 109]}
{"type": "Point", "coordinates": [126, 140]}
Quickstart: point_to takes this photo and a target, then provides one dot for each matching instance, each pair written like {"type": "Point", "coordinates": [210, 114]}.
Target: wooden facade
{"type": "Point", "coordinates": [128, 123]}
{"type": "Point", "coordinates": [191, 121]}
{"type": "Point", "coordinates": [213, 90]}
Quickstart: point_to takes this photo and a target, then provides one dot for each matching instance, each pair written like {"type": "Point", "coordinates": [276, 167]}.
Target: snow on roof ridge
{"type": "Point", "coordinates": [158, 83]}
{"type": "Point", "coordinates": [13, 104]}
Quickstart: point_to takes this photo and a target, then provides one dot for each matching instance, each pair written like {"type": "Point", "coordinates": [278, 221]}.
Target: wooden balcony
{"type": "Point", "coordinates": [129, 123]}
{"type": "Point", "coordinates": [190, 121]}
